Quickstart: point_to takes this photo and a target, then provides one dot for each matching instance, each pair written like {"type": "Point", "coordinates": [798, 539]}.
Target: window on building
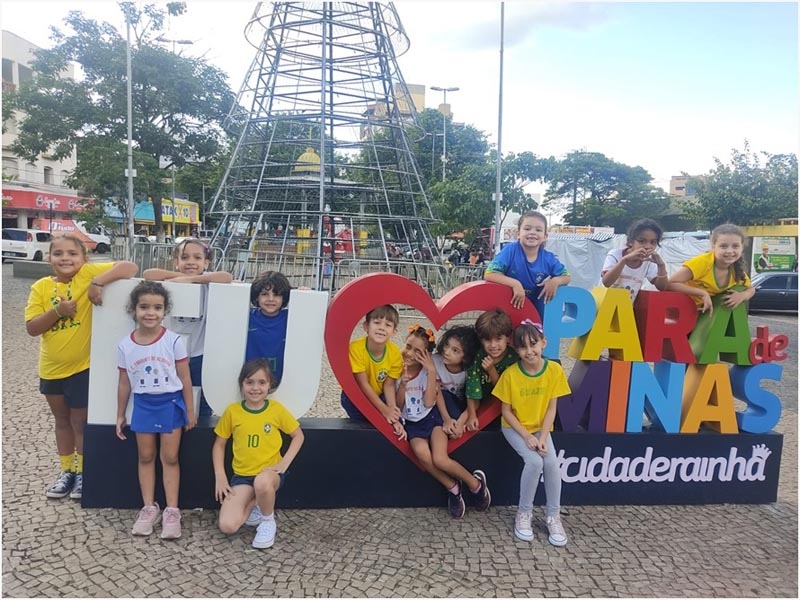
{"type": "Point", "coordinates": [25, 74]}
{"type": "Point", "coordinates": [48, 175]}
{"type": "Point", "coordinates": [10, 167]}
{"type": "Point", "coordinates": [8, 70]}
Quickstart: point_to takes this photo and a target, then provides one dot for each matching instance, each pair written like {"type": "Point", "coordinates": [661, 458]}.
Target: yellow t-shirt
{"type": "Point", "coordinates": [530, 395]}
{"type": "Point", "coordinates": [256, 435]}
{"type": "Point", "coordinates": [703, 276]}
{"type": "Point", "coordinates": [65, 347]}
{"type": "Point", "coordinates": [376, 368]}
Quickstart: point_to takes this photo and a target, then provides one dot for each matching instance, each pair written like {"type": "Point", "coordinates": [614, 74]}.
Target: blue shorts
{"type": "Point", "coordinates": [454, 404]}
{"type": "Point", "coordinates": [249, 479]}
{"type": "Point", "coordinates": [351, 409]}
{"type": "Point", "coordinates": [74, 388]}
{"type": "Point", "coordinates": [158, 413]}
{"type": "Point", "coordinates": [424, 427]}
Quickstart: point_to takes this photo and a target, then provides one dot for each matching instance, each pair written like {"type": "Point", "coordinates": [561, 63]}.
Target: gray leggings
{"type": "Point", "coordinates": [534, 463]}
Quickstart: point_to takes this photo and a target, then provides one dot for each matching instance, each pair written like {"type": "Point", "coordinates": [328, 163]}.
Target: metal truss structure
{"type": "Point", "coordinates": [323, 172]}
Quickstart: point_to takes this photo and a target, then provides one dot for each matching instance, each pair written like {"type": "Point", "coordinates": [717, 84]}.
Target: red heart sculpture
{"type": "Point", "coordinates": [357, 298]}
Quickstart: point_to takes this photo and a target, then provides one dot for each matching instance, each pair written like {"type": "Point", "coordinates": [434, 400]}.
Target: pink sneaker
{"type": "Point", "coordinates": [148, 517]}
{"type": "Point", "coordinates": [171, 524]}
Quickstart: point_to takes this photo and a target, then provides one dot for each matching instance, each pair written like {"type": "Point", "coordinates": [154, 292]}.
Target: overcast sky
{"type": "Point", "coordinates": [666, 86]}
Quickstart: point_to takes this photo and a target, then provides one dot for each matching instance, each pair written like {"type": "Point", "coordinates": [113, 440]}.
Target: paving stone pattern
{"type": "Point", "coordinates": [56, 548]}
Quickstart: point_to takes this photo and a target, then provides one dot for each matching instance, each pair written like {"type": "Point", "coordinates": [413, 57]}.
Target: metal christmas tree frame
{"type": "Point", "coordinates": [322, 184]}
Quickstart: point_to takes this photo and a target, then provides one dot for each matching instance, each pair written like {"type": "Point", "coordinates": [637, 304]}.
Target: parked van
{"type": "Point", "coordinates": [95, 242]}
{"type": "Point", "coordinates": [25, 244]}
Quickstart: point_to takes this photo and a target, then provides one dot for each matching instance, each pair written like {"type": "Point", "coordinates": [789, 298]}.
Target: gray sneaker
{"type": "Point", "coordinates": [148, 518]}
{"type": "Point", "coordinates": [77, 488]}
{"type": "Point", "coordinates": [171, 524]}
{"type": "Point", "coordinates": [557, 536]}
{"type": "Point", "coordinates": [62, 486]}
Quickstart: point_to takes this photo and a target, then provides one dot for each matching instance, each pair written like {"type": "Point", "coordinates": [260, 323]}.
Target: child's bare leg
{"type": "Point", "coordinates": [77, 420]}
{"type": "Point", "coordinates": [423, 452]}
{"type": "Point", "coordinates": [170, 445]}
{"type": "Point", "coordinates": [65, 436]}
{"type": "Point", "coordinates": [146, 450]}
{"type": "Point", "coordinates": [443, 461]}
{"type": "Point", "coordinates": [235, 508]}
{"type": "Point", "coordinates": [265, 487]}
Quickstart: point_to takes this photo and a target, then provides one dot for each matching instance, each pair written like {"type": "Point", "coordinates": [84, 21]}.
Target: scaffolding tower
{"type": "Point", "coordinates": [322, 174]}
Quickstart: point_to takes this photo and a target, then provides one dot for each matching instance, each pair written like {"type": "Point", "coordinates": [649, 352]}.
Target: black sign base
{"type": "Point", "coordinates": [347, 464]}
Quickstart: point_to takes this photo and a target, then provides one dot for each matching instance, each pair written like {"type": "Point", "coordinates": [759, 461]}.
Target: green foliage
{"type": "Point", "coordinates": [178, 105]}
{"type": "Point", "coordinates": [596, 190]}
{"type": "Point", "coordinates": [745, 191]}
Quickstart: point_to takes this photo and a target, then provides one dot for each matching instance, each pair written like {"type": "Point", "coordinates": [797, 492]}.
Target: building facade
{"type": "Point", "coordinates": [32, 190]}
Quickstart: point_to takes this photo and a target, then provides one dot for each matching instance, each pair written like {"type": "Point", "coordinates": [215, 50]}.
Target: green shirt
{"type": "Point", "coordinates": [478, 385]}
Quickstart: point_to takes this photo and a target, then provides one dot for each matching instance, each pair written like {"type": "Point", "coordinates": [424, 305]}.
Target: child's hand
{"type": "Point", "coordinates": [733, 299]}
{"type": "Point", "coordinates": [392, 414]}
{"type": "Point", "coordinates": [542, 447]}
{"type": "Point", "coordinates": [183, 279]}
{"type": "Point", "coordinates": [405, 377]}
{"type": "Point", "coordinates": [532, 442]}
{"type": "Point", "coordinates": [457, 430]}
{"type": "Point", "coordinates": [222, 489]}
{"type": "Point", "coordinates": [399, 431]}
{"type": "Point", "coordinates": [192, 420]}
{"type": "Point", "coordinates": [655, 258]}
{"type": "Point", "coordinates": [634, 256]}
{"type": "Point", "coordinates": [122, 423]}
{"type": "Point", "coordinates": [487, 363]}
{"type": "Point", "coordinates": [707, 305]}
{"type": "Point", "coordinates": [549, 288]}
{"type": "Point", "coordinates": [518, 295]}
{"type": "Point", "coordinates": [67, 308]}
{"type": "Point", "coordinates": [426, 360]}
{"type": "Point", "coordinates": [472, 423]}
{"type": "Point", "coordinates": [95, 295]}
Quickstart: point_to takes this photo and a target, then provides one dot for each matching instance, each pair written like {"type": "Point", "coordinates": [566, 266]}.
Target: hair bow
{"type": "Point", "coordinates": [536, 326]}
{"type": "Point", "coordinates": [429, 332]}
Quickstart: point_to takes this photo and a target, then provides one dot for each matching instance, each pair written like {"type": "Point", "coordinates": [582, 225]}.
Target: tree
{"type": "Point", "coordinates": [744, 191]}
{"type": "Point", "coordinates": [179, 104]}
{"type": "Point", "coordinates": [596, 190]}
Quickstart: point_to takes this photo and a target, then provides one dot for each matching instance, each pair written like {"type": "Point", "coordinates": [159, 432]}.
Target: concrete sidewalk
{"type": "Point", "coordinates": [55, 548]}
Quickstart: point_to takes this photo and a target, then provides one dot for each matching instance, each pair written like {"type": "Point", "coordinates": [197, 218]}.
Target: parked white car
{"type": "Point", "coordinates": [25, 244]}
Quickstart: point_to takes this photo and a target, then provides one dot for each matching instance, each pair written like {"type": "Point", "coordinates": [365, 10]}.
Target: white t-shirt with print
{"type": "Point", "coordinates": [630, 279]}
{"type": "Point", "coordinates": [414, 408]}
{"type": "Point", "coordinates": [151, 367]}
{"type": "Point", "coordinates": [452, 382]}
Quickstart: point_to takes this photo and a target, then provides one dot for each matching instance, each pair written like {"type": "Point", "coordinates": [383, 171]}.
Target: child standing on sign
{"type": "Point", "coordinates": [191, 259]}
{"type": "Point", "coordinates": [454, 353]}
{"type": "Point", "coordinates": [269, 317]}
{"type": "Point", "coordinates": [60, 310]}
{"type": "Point", "coordinates": [153, 363]}
{"type": "Point", "coordinates": [716, 272]}
{"type": "Point", "coordinates": [423, 407]}
{"type": "Point", "coordinates": [255, 424]}
{"type": "Point", "coordinates": [377, 364]}
{"type": "Point", "coordinates": [529, 391]}
{"type": "Point", "coordinates": [629, 267]}
{"type": "Point", "coordinates": [527, 267]}
{"type": "Point", "coordinates": [494, 329]}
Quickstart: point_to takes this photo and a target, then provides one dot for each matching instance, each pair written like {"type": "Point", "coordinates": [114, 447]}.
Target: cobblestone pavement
{"type": "Point", "coordinates": [55, 548]}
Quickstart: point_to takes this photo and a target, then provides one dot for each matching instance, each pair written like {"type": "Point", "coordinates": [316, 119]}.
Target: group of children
{"type": "Point", "coordinates": [428, 392]}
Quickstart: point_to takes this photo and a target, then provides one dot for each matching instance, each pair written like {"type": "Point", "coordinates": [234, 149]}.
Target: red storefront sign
{"type": "Point", "coordinates": [37, 200]}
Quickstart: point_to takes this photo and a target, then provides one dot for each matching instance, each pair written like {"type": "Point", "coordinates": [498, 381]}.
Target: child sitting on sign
{"type": "Point", "coordinates": [454, 354]}
{"type": "Point", "coordinates": [529, 391]}
{"type": "Point", "coordinates": [377, 364]}
{"type": "Point", "coordinates": [716, 272]}
{"type": "Point", "coordinates": [495, 355]}
{"type": "Point", "coordinates": [423, 407]}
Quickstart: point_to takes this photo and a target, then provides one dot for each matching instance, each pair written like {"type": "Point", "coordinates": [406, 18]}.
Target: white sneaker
{"type": "Point", "coordinates": [522, 525]}
{"type": "Point", "coordinates": [255, 517]}
{"type": "Point", "coordinates": [557, 537]}
{"type": "Point", "coordinates": [265, 534]}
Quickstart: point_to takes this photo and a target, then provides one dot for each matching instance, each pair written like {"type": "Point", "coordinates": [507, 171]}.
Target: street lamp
{"type": "Point", "coordinates": [161, 38]}
{"type": "Point", "coordinates": [444, 90]}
